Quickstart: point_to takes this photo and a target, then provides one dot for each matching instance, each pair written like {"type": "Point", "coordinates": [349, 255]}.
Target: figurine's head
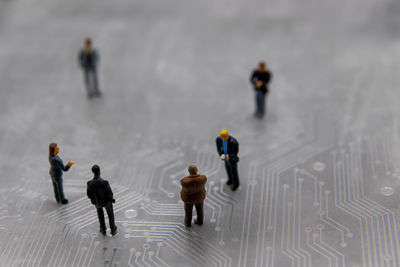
{"type": "Point", "coordinates": [262, 66]}
{"type": "Point", "coordinates": [193, 169]}
{"type": "Point", "coordinates": [224, 134]}
{"type": "Point", "coordinates": [96, 170]}
{"type": "Point", "coordinates": [53, 150]}
{"type": "Point", "coordinates": [88, 43]}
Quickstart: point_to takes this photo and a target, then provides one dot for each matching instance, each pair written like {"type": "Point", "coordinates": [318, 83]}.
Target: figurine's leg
{"type": "Point", "coordinates": [92, 81]}
{"type": "Point", "coordinates": [265, 103]}
{"type": "Point", "coordinates": [200, 213]}
{"type": "Point", "coordinates": [58, 190]}
{"type": "Point", "coordinates": [55, 187]}
{"type": "Point", "coordinates": [228, 172]}
{"type": "Point", "coordinates": [61, 191]}
{"type": "Point", "coordinates": [100, 214]}
{"type": "Point", "coordinates": [262, 103]}
{"type": "Point", "coordinates": [110, 213]}
{"type": "Point", "coordinates": [87, 81]}
{"type": "Point", "coordinates": [256, 103]}
{"type": "Point", "coordinates": [235, 176]}
{"type": "Point", "coordinates": [95, 81]}
{"type": "Point", "coordinates": [188, 214]}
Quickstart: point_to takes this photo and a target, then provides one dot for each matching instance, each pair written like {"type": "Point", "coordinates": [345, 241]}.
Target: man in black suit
{"type": "Point", "coordinates": [228, 148]}
{"type": "Point", "coordinates": [99, 192]}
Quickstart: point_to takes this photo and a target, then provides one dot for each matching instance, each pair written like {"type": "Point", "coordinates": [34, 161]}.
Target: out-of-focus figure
{"type": "Point", "coordinates": [88, 60]}
{"type": "Point", "coordinates": [260, 79]}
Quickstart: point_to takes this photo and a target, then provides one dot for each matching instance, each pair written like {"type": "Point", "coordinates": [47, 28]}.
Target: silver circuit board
{"type": "Point", "coordinates": [320, 174]}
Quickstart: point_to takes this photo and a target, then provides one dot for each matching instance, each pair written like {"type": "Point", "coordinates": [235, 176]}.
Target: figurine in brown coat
{"type": "Point", "coordinates": [193, 193]}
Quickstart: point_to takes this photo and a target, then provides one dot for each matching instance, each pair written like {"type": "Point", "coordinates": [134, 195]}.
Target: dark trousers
{"type": "Point", "coordinates": [231, 170]}
{"type": "Point", "coordinates": [110, 213]}
{"type": "Point", "coordinates": [92, 85]}
{"type": "Point", "coordinates": [260, 103]}
{"type": "Point", "coordinates": [58, 188]}
{"type": "Point", "coordinates": [189, 212]}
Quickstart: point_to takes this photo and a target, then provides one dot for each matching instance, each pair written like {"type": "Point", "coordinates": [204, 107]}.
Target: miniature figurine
{"type": "Point", "coordinates": [228, 148]}
{"type": "Point", "coordinates": [88, 59]}
{"type": "Point", "coordinates": [100, 194]}
{"type": "Point", "coordinates": [56, 170]}
{"type": "Point", "coordinates": [260, 79]}
{"type": "Point", "coordinates": [193, 193]}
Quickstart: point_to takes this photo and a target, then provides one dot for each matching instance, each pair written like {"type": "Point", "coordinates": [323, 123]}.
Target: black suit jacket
{"type": "Point", "coordinates": [265, 77]}
{"type": "Point", "coordinates": [99, 192]}
{"type": "Point", "coordinates": [233, 148]}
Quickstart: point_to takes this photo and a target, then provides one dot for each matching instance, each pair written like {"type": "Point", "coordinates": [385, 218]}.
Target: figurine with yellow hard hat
{"type": "Point", "coordinates": [228, 148]}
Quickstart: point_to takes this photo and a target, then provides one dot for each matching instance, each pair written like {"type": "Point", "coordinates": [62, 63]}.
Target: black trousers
{"type": "Point", "coordinates": [231, 170]}
{"type": "Point", "coordinates": [189, 212]}
{"type": "Point", "coordinates": [110, 213]}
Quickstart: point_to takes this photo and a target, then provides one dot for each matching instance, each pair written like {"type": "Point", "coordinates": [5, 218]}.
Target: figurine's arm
{"type": "Point", "coordinates": [62, 166]}
{"type": "Point", "coordinates": [268, 78]}
{"type": "Point", "coordinates": [219, 146]}
{"type": "Point", "coordinates": [90, 195]}
{"type": "Point", "coordinates": [237, 148]}
{"type": "Point", "coordinates": [96, 57]}
{"type": "Point", "coordinates": [110, 192]}
{"type": "Point", "coordinates": [235, 151]}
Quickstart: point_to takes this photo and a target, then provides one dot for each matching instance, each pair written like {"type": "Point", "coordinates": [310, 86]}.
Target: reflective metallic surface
{"type": "Point", "coordinates": [319, 175]}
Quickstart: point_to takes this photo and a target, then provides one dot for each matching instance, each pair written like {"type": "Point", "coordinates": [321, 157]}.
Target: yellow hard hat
{"type": "Point", "coordinates": [224, 133]}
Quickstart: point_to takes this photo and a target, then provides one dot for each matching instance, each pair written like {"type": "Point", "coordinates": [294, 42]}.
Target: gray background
{"type": "Point", "coordinates": [319, 175]}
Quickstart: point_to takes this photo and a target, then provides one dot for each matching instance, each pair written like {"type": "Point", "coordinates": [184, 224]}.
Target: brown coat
{"type": "Point", "coordinates": [193, 188]}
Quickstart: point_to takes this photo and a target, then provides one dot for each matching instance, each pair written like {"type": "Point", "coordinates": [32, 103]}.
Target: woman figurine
{"type": "Point", "coordinates": [56, 170]}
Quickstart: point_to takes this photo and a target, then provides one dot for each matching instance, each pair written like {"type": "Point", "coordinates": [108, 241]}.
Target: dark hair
{"type": "Point", "coordinates": [52, 149]}
{"type": "Point", "coordinates": [261, 63]}
{"type": "Point", "coordinates": [88, 41]}
{"type": "Point", "coordinates": [96, 170]}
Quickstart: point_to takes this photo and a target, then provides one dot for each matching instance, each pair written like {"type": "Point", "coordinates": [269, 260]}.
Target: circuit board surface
{"type": "Point", "coordinates": [319, 174]}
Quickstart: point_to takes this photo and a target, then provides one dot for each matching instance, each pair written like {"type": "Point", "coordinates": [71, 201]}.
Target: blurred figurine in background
{"type": "Point", "coordinates": [88, 60]}
{"type": "Point", "coordinates": [193, 193]}
{"type": "Point", "coordinates": [260, 79]}
{"type": "Point", "coordinates": [228, 148]}
{"type": "Point", "coordinates": [100, 194]}
{"type": "Point", "coordinates": [56, 170]}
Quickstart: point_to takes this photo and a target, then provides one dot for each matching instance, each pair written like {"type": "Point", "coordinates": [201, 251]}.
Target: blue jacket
{"type": "Point", "coordinates": [57, 167]}
{"type": "Point", "coordinates": [88, 60]}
